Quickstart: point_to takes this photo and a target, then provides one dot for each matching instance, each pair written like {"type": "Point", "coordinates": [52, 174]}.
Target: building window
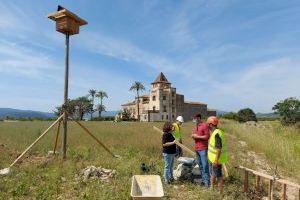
{"type": "Point", "coordinates": [145, 117]}
{"type": "Point", "coordinates": [172, 101]}
{"type": "Point", "coordinates": [164, 97]}
{"type": "Point", "coordinates": [167, 117]}
{"type": "Point", "coordinates": [154, 108]}
{"type": "Point", "coordinates": [153, 98]}
{"type": "Point", "coordinates": [162, 117]}
{"type": "Point", "coordinates": [165, 109]}
{"type": "Point", "coordinates": [173, 94]}
{"type": "Point", "coordinates": [173, 109]}
{"type": "Point", "coordinates": [173, 116]}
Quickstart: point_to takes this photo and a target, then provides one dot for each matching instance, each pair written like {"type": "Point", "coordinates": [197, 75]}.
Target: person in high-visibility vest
{"type": "Point", "coordinates": [176, 132]}
{"type": "Point", "coordinates": [217, 152]}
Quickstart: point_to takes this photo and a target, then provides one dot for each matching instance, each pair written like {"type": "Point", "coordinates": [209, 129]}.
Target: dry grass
{"type": "Point", "coordinates": [41, 177]}
{"type": "Point", "coordinates": [280, 145]}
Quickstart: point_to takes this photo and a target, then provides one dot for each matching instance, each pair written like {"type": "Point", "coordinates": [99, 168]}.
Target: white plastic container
{"type": "Point", "coordinates": [146, 187]}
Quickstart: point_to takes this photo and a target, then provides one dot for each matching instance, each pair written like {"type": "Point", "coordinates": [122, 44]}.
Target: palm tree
{"type": "Point", "coordinates": [137, 86]}
{"type": "Point", "coordinates": [101, 95]}
{"type": "Point", "coordinates": [100, 108]}
{"type": "Point", "coordinates": [92, 93]}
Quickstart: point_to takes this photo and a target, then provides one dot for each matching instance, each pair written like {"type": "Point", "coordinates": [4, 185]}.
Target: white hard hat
{"type": "Point", "coordinates": [180, 119]}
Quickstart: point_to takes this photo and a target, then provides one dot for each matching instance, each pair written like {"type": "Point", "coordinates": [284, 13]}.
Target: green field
{"type": "Point", "coordinates": [40, 176]}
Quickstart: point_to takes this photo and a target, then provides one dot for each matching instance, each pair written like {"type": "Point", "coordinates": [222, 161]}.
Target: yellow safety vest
{"type": "Point", "coordinates": [176, 132]}
{"type": "Point", "coordinates": [212, 150]}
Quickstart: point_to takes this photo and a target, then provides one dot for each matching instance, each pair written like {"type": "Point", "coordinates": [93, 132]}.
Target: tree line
{"type": "Point", "coordinates": [288, 110]}
{"type": "Point", "coordinates": [77, 108]}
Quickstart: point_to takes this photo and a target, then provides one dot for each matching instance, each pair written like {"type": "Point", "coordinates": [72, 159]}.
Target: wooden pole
{"type": "Point", "coordinates": [283, 192]}
{"type": "Point", "coordinates": [40, 137]}
{"type": "Point", "coordinates": [56, 139]}
{"type": "Point", "coordinates": [65, 123]}
{"type": "Point", "coordinates": [257, 183]}
{"type": "Point", "coordinates": [246, 182]}
{"type": "Point", "coordinates": [192, 153]}
{"type": "Point", "coordinates": [272, 180]}
{"type": "Point", "coordinates": [90, 133]}
{"type": "Point", "coordinates": [225, 170]}
{"type": "Point", "coordinates": [270, 195]}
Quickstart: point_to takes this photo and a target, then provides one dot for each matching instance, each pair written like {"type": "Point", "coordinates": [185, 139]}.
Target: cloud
{"type": "Point", "coordinates": [255, 84]}
{"type": "Point", "coordinates": [259, 86]}
{"type": "Point", "coordinates": [99, 43]}
{"type": "Point", "coordinates": [12, 18]}
{"type": "Point", "coordinates": [206, 50]}
{"type": "Point", "coordinates": [19, 60]}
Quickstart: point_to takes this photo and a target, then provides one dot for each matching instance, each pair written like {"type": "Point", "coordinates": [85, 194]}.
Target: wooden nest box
{"type": "Point", "coordinates": [66, 21]}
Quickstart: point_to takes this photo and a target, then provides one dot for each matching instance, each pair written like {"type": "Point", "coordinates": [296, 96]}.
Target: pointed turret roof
{"type": "Point", "coordinates": [161, 79]}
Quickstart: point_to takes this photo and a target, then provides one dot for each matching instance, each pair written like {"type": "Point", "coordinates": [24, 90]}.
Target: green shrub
{"type": "Point", "coordinates": [289, 110]}
{"type": "Point", "coordinates": [108, 118]}
{"type": "Point", "coordinates": [246, 114]}
{"type": "Point", "coordinates": [230, 115]}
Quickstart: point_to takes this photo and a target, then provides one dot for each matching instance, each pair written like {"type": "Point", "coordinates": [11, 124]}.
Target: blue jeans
{"type": "Point", "coordinates": [168, 170]}
{"type": "Point", "coordinates": [203, 166]}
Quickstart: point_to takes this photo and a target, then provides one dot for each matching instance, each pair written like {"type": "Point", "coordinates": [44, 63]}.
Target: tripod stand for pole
{"type": "Point", "coordinates": [58, 121]}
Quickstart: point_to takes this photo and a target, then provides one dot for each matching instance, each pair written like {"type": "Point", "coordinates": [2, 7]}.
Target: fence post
{"type": "Point", "coordinates": [246, 182]}
{"type": "Point", "coordinates": [270, 195]}
{"type": "Point", "coordinates": [257, 183]}
{"type": "Point", "coordinates": [283, 191]}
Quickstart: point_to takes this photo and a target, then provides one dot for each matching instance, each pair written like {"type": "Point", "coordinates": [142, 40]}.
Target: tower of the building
{"type": "Point", "coordinates": [162, 99]}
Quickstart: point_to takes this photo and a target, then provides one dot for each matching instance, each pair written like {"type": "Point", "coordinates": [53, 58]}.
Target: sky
{"type": "Point", "coordinates": [230, 54]}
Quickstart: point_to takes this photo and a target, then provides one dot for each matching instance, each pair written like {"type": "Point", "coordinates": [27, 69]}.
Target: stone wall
{"type": "Point", "coordinates": [211, 113]}
{"type": "Point", "coordinates": [191, 109]}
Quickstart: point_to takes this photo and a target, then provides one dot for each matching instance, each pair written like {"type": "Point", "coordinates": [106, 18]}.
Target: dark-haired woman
{"type": "Point", "coordinates": [169, 151]}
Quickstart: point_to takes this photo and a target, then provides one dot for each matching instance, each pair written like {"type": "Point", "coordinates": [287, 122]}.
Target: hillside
{"type": "Point", "coordinates": [16, 113]}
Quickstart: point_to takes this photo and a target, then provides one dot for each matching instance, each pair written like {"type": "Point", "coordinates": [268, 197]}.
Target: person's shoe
{"type": "Point", "coordinates": [168, 184]}
{"type": "Point", "coordinates": [205, 184]}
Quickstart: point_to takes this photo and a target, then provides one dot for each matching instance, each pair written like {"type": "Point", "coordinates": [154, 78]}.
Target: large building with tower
{"type": "Point", "coordinates": [164, 104]}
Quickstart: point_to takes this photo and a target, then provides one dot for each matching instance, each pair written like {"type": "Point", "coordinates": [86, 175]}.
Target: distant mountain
{"type": "Point", "coordinates": [103, 114]}
{"type": "Point", "coordinates": [268, 115]}
{"type": "Point", "coordinates": [261, 115]}
{"type": "Point", "coordinates": [221, 112]}
{"type": "Point", "coordinates": [16, 113]}
{"type": "Point", "coordinates": [109, 113]}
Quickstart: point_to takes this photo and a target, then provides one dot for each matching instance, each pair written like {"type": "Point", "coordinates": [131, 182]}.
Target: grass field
{"type": "Point", "coordinates": [280, 145]}
{"type": "Point", "coordinates": [39, 176]}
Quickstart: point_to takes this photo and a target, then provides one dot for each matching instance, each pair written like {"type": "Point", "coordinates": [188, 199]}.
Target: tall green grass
{"type": "Point", "coordinates": [280, 144]}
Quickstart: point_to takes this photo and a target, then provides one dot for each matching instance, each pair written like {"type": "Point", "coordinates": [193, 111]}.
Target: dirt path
{"type": "Point", "coordinates": [262, 165]}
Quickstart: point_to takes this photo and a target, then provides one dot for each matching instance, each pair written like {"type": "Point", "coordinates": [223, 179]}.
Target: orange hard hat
{"type": "Point", "coordinates": [212, 120]}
